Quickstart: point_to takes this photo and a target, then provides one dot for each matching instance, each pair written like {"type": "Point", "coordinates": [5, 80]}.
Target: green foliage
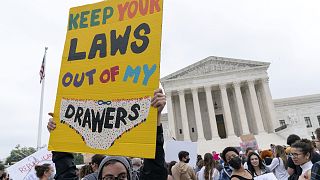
{"type": "Point", "coordinates": [19, 153]}
{"type": "Point", "coordinates": [78, 158]}
{"type": "Point", "coordinates": [1, 166]}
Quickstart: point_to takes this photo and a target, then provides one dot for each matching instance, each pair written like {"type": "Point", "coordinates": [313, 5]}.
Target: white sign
{"type": "Point", "coordinates": [173, 148]}
{"type": "Point", "coordinates": [268, 176]}
{"type": "Point", "coordinates": [24, 169]}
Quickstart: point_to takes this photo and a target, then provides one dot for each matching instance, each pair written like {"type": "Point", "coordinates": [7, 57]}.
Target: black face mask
{"type": "Point", "coordinates": [187, 160]}
{"type": "Point", "coordinates": [235, 162]}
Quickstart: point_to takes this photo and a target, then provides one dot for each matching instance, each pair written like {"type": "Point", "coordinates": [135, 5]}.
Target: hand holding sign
{"type": "Point", "coordinates": [51, 124]}
{"type": "Point", "coordinates": [158, 101]}
{"type": "Point", "coordinates": [110, 67]}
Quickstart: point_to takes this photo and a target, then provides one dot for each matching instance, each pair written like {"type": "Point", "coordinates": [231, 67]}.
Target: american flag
{"type": "Point", "coordinates": [41, 73]}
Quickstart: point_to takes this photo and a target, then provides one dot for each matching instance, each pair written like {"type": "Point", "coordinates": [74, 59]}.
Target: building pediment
{"type": "Point", "coordinates": [214, 65]}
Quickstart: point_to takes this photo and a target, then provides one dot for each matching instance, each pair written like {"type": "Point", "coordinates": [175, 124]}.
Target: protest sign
{"type": "Point", "coordinates": [24, 169]}
{"type": "Point", "coordinates": [109, 71]}
{"type": "Point", "coordinates": [172, 149]}
{"type": "Point", "coordinates": [248, 141]}
{"type": "Point", "coordinates": [267, 176]}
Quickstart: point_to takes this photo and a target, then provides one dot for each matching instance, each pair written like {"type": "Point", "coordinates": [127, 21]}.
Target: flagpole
{"type": "Point", "coordinates": [41, 103]}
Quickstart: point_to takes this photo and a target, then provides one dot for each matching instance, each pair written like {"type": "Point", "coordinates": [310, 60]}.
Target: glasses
{"type": "Point", "coordinates": [122, 176]}
{"type": "Point", "coordinates": [295, 155]}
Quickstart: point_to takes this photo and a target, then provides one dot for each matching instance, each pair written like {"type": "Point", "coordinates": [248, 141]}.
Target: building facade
{"type": "Point", "coordinates": [299, 115]}
{"type": "Point", "coordinates": [216, 100]}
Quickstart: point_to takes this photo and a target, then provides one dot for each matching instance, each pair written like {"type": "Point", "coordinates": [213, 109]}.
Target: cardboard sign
{"type": "Point", "coordinates": [267, 176]}
{"type": "Point", "coordinates": [24, 169]}
{"type": "Point", "coordinates": [109, 71]}
{"type": "Point", "coordinates": [248, 141]}
{"type": "Point", "coordinates": [172, 149]}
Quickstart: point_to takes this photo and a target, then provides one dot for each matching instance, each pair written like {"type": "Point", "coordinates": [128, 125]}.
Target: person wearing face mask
{"type": "Point", "coordinates": [44, 172]}
{"type": "Point", "coordinates": [231, 156]}
{"type": "Point", "coordinates": [181, 170]}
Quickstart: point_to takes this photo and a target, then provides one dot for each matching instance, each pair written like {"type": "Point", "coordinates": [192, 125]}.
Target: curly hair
{"type": "Point", "coordinates": [265, 153]}
{"type": "Point", "coordinates": [226, 150]}
{"type": "Point", "coordinates": [305, 145]}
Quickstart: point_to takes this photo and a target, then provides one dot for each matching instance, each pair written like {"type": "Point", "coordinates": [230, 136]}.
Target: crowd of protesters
{"type": "Point", "coordinates": [298, 160]}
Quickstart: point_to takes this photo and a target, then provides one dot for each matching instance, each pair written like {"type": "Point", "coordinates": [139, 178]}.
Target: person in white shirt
{"type": "Point", "coordinates": [301, 152]}
{"type": "Point", "coordinates": [208, 171]}
{"type": "Point", "coordinates": [279, 164]}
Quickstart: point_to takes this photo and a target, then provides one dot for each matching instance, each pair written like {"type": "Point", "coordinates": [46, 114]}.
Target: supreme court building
{"type": "Point", "coordinates": [216, 100]}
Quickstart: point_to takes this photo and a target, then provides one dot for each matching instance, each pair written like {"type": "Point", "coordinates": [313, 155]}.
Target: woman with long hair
{"type": "Point", "coordinates": [170, 165]}
{"type": "Point", "coordinates": [44, 171]}
{"type": "Point", "coordinates": [279, 163]}
{"type": "Point", "coordinates": [208, 171]}
{"type": "Point", "coordinates": [255, 165]}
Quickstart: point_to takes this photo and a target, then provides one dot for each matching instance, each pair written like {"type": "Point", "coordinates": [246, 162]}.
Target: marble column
{"type": "Point", "coordinates": [226, 110]}
{"type": "Point", "coordinates": [184, 117]}
{"type": "Point", "coordinates": [172, 128]}
{"type": "Point", "coordinates": [270, 106]}
{"type": "Point", "coordinates": [212, 115]}
{"type": "Point", "coordinates": [197, 112]}
{"type": "Point", "coordinates": [255, 106]}
{"type": "Point", "coordinates": [241, 110]}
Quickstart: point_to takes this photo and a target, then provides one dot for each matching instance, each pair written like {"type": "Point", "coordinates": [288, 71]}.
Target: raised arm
{"type": "Point", "coordinates": [156, 168]}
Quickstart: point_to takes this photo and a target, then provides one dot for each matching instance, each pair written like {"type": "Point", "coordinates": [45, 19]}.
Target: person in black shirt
{"type": "Point", "coordinates": [315, 171]}
{"type": "Point", "coordinates": [294, 170]}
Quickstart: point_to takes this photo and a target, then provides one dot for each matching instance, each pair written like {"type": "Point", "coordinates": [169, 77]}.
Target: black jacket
{"type": "Point", "coordinates": [153, 169]}
{"type": "Point", "coordinates": [65, 167]}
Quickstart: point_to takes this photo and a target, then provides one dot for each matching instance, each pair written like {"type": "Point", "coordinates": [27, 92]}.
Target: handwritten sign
{"type": "Point", "coordinates": [267, 176]}
{"type": "Point", "coordinates": [24, 169]}
{"type": "Point", "coordinates": [109, 71]}
{"type": "Point", "coordinates": [248, 141]}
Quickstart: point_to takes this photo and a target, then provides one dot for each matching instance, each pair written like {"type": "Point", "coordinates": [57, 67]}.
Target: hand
{"type": "Point", "coordinates": [51, 124]}
{"type": "Point", "coordinates": [158, 101]}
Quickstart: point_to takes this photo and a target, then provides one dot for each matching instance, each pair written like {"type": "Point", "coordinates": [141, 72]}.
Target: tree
{"type": "Point", "coordinates": [19, 153]}
{"type": "Point", "coordinates": [78, 158]}
{"type": "Point", "coordinates": [2, 167]}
